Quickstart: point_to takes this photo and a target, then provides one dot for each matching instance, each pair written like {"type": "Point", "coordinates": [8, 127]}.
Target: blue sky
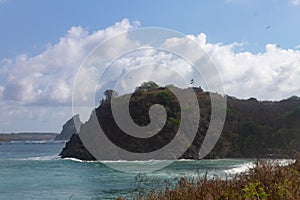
{"type": "Point", "coordinates": [27, 26]}
{"type": "Point", "coordinates": [255, 44]}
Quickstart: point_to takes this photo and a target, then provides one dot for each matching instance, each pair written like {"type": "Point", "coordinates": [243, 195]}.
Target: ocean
{"type": "Point", "coordinates": [33, 170]}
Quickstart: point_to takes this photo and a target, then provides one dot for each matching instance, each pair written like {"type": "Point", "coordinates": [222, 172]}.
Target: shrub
{"type": "Point", "coordinates": [264, 181]}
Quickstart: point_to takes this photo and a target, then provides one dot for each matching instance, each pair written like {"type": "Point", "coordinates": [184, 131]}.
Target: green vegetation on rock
{"type": "Point", "coordinates": [264, 129]}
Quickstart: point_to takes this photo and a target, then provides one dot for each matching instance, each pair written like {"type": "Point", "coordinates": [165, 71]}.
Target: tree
{"type": "Point", "coordinates": [147, 86]}
{"type": "Point", "coordinates": [110, 94]}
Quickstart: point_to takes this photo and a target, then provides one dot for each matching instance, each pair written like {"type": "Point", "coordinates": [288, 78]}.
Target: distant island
{"type": "Point", "coordinates": [252, 129]}
{"type": "Point", "coordinates": [68, 129]}
{"type": "Point", "coordinates": [27, 136]}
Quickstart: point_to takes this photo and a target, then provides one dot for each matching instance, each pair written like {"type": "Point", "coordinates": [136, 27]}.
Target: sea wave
{"type": "Point", "coordinates": [74, 159]}
{"type": "Point", "coordinates": [41, 158]}
{"type": "Point", "coordinates": [247, 166]}
{"type": "Point", "coordinates": [35, 142]}
{"type": "Point", "coordinates": [240, 168]}
{"type": "Point", "coordinates": [282, 162]}
{"type": "Point", "coordinates": [121, 161]}
{"type": "Point", "coordinates": [135, 161]}
{"type": "Point", "coordinates": [81, 161]}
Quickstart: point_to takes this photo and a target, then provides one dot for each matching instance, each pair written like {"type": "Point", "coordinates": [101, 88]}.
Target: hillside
{"type": "Point", "coordinates": [252, 128]}
{"type": "Point", "coordinates": [27, 136]}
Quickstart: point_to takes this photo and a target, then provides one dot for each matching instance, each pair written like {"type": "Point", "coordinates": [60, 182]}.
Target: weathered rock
{"type": "Point", "coordinates": [68, 129]}
{"type": "Point", "coordinates": [75, 149]}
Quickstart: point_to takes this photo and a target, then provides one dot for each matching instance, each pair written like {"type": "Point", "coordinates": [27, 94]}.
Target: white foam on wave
{"type": "Point", "coordinates": [178, 174]}
{"type": "Point", "coordinates": [41, 158]}
{"type": "Point", "coordinates": [135, 161]}
{"type": "Point", "coordinates": [282, 162]}
{"type": "Point", "coordinates": [185, 160]}
{"type": "Point", "coordinates": [106, 161]}
{"type": "Point", "coordinates": [131, 161]}
{"type": "Point", "coordinates": [73, 159]}
{"type": "Point", "coordinates": [78, 160]}
{"type": "Point", "coordinates": [34, 142]}
{"type": "Point", "coordinates": [240, 168]}
{"type": "Point", "coordinates": [121, 162]}
{"type": "Point", "coordinates": [247, 166]}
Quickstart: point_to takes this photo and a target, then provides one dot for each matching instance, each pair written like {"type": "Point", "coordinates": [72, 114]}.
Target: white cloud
{"type": "Point", "coordinates": [49, 76]}
{"type": "Point", "coordinates": [18, 118]}
{"type": "Point", "coordinates": [268, 75]}
{"type": "Point", "coordinates": [47, 79]}
{"type": "Point", "coordinates": [159, 66]}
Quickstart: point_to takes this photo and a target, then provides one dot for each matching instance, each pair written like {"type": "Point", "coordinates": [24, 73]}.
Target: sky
{"type": "Point", "coordinates": [254, 44]}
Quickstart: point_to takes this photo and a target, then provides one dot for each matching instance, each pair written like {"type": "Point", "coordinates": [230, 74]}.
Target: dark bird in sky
{"type": "Point", "coordinates": [268, 27]}
{"type": "Point", "coordinates": [192, 81]}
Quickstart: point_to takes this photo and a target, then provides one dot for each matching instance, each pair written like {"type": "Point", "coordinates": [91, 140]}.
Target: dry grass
{"type": "Point", "coordinates": [264, 181]}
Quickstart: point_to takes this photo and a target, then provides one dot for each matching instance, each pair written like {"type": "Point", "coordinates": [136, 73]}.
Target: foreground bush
{"type": "Point", "coordinates": [264, 181]}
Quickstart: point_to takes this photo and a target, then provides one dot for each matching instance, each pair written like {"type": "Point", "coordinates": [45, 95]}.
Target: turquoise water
{"type": "Point", "coordinates": [34, 171]}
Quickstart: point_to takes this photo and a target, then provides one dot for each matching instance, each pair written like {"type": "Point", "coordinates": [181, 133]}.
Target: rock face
{"type": "Point", "coordinates": [75, 149]}
{"type": "Point", "coordinates": [68, 128]}
{"type": "Point", "coordinates": [252, 128]}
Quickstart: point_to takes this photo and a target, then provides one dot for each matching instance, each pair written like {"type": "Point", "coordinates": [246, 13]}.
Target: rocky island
{"type": "Point", "coordinates": [252, 129]}
{"type": "Point", "coordinates": [68, 129]}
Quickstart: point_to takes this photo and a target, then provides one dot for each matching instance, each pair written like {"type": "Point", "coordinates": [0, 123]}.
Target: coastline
{"type": "Point", "coordinates": [36, 136]}
{"type": "Point", "coordinates": [100, 181]}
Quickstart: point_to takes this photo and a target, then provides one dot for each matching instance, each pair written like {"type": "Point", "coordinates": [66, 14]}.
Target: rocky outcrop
{"type": "Point", "coordinates": [252, 128]}
{"type": "Point", "coordinates": [68, 129]}
{"type": "Point", "coordinates": [75, 149]}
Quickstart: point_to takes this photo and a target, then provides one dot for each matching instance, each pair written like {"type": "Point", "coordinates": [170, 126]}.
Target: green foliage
{"type": "Point", "coordinates": [147, 86]}
{"type": "Point", "coordinates": [283, 188]}
{"type": "Point", "coordinates": [175, 121]}
{"type": "Point", "coordinates": [165, 95]}
{"type": "Point", "coordinates": [228, 111]}
{"type": "Point", "coordinates": [251, 128]}
{"type": "Point", "coordinates": [293, 112]}
{"type": "Point", "coordinates": [254, 190]}
{"type": "Point", "coordinates": [264, 181]}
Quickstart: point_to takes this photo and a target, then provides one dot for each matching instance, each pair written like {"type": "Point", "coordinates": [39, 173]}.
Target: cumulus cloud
{"type": "Point", "coordinates": [269, 75]}
{"type": "Point", "coordinates": [28, 83]}
{"type": "Point", "coordinates": [161, 67]}
{"type": "Point", "coordinates": [47, 79]}
{"type": "Point", "coordinates": [49, 76]}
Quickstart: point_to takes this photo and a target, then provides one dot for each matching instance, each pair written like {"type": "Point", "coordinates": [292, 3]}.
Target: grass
{"type": "Point", "coordinates": [264, 181]}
